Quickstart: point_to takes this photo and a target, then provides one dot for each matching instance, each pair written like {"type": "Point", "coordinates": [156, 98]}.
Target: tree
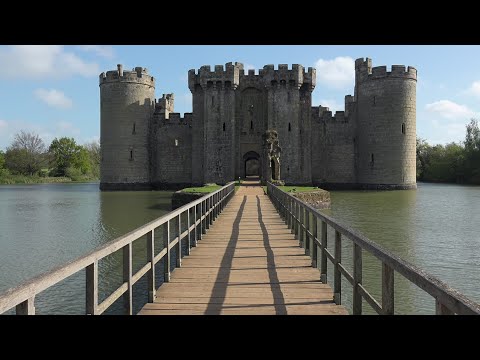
{"type": "Point", "coordinates": [93, 149]}
{"type": "Point", "coordinates": [65, 153]}
{"type": "Point", "coordinates": [2, 159]}
{"type": "Point", "coordinates": [26, 153]}
{"type": "Point", "coordinates": [29, 141]}
{"type": "Point", "coordinates": [472, 152]}
{"type": "Point", "coordinates": [422, 157]}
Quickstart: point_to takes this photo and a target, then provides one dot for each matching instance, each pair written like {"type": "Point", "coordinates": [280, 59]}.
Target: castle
{"type": "Point", "coordinates": [262, 124]}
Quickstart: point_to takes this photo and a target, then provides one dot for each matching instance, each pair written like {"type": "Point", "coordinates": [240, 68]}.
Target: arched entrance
{"type": "Point", "coordinates": [251, 164]}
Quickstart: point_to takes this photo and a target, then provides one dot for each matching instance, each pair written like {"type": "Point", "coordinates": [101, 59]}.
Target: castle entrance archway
{"type": "Point", "coordinates": [252, 163]}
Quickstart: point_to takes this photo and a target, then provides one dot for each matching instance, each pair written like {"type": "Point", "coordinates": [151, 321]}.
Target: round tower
{"type": "Point", "coordinates": [127, 102]}
{"type": "Point", "coordinates": [386, 125]}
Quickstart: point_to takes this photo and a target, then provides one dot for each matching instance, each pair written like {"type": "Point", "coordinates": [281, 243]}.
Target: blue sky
{"type": "Point", "coordinates": [53, 90]}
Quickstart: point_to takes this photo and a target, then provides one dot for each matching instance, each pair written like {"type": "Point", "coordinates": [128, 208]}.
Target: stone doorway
{"type": "Point", "coordinates": [252, 166]}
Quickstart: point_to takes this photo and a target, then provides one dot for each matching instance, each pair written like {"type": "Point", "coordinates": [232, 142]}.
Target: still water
{"type": "Point", "coordinates": [436, 227]}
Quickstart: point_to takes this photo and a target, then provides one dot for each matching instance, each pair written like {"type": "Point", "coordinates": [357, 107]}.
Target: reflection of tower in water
{"type": "Point", "coordinates": [120, 213]}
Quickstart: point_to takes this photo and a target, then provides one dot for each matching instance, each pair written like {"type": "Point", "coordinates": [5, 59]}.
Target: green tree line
{"type": "Point", "coordinates": [453, 162]}
{"type": "Point", "coordinates": [28, 159]}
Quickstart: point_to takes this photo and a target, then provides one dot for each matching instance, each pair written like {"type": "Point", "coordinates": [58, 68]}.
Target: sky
{"type": "Point", "coordinates": [53, 90]}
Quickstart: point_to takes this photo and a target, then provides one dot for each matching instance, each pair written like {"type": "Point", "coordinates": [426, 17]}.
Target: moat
{"type": "Point", "coordinates": [43, 226]}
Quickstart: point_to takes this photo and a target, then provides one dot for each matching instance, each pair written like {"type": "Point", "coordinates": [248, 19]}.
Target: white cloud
{"type": "Point", "coordinates": [444, 132]}
{"type": "Point", "coordinates": [54, 98]}
{"type": "Point", "coordinates": [47, 132]}
{"type": "Point", "coordinates": [247, 67]}
{"type": "Point", "coordinates": [42, 61]}
{"type": "Point", "coordinates": [450, 110]}
{"type": "Point", "coordinates": [474, 89]}
{"type": "Point", "coordinates": [105, 51]}
{"type": "Point", "coordinates": [338, 73]}
{"type": "Point", "coordinates": [66, 127]}
{"type": "Point", "coordinates": [332, 104]}
{"type": "Point", "coordinates": [3, 125]}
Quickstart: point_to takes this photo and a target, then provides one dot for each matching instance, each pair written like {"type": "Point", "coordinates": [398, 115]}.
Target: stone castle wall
{"type": "Point", "coordinates": [371, 144]}
{"type": "Point", "coordinates": [126, 108]}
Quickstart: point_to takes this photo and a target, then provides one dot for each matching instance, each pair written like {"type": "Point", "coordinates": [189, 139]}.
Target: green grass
{"type": "Point", "coordinates": [202, 189]}
{"type": "Point", "coordinates": [9, 179]}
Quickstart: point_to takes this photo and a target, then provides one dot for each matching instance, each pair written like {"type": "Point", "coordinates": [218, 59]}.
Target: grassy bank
{"type": "Point", "coordinates": [294, 189]}
{"type": "Point", "coordinates": [201, 189]}
{"type": "Point", "coordinates": [22, 179]}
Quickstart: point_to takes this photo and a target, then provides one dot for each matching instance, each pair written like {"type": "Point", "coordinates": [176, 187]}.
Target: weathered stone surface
{"type": "Point", "coordinates": [372, 144]}
{"type": "Point", "coordinates": [180, 198]}
{"type": "Point", "coordinates": [319, 199]}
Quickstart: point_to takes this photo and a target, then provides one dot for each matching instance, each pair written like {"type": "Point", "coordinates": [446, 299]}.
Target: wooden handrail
{"type": "Point", "coordinates": [448, 300]}
{"type": "Point", "coordinates": [205, 210]}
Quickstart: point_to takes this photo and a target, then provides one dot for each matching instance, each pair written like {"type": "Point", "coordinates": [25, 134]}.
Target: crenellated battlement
{"type": "Point", "coordinates": [294, 77]}
{"type": "Point", "coordinates": [136, 75]}
{"type": "Point", "coordinates": [224, 77]}
{"type": "Point", "coordinates": [365, 72]}
{"type": "Point", "coordinates": [174, 119]}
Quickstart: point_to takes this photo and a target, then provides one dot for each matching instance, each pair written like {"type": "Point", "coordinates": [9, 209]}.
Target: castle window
{"type": "Point", "coordinates": [289, 127]}
{"type": "Point", "coordinates": [133, 131]}
{"type": "Point", "coordinates": [251, 125]}
{"type": "Point", "coordinates": [372, 159]}
{"type": "Point", "coordinates": [403, 128]}
{"type": "Point", "coordinates": [176, 142]}
{"type": "Point", "coordinates": [212, 100]}
{"type": "Point", "coordinates": [223, 126]}
{"type": "Point", "coordinates": [131, 154]}
{"type": "Point", "coordinates": [374, 100]}
{"type": "Point", "coordinates": [288, 97]}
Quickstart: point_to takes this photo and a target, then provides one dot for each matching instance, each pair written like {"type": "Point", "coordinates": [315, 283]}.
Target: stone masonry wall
{"type": "Point", "coordinates": [386, 115]}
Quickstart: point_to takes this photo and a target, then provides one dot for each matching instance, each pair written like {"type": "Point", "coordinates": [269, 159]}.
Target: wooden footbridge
{"type": "Point", "coordinates": [243, 252]}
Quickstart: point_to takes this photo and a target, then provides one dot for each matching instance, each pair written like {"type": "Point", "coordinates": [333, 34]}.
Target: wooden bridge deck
{"type": "Point", "coordinates": [248, 263]}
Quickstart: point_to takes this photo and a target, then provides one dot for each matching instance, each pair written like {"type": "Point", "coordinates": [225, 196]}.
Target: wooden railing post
{"type": "Point", "coordinates": [188, 232]}
{"type": "Point", "coordinates": [212, 209]}
{"type": "Point", "coordinates": [337, 276]}
{"type": "Point", "coordinates": [314, 243]}
{"type": "Point", "coordinates": [127, 277]}
{"type": "Point", "coordinates": [357, 279]}
{"type": "Point", "coordinates": [308, 238]}
{"type": "Point", "coordinates": [204, 214]}
{"type": "Point", "coordinates": [302, 223]}
{"type": "Point", "coordinates": [207, 213]}
{"type": "Point", "coordinates": [178, 247]}
{"type": "Point", "coordinates": [166, 259]}
{"type": "Point", "coordinates": [323, 263]}
{"type": "Point", "coordinates": [26, 307]}
{"type": "Point", "coordinates": [292, 216]}
{"type": "Point", "coordinates": [441, 309]}
{"type": "Point", "coordinates": [195, 233]}
{"type": "Point", "coordinates": [151, 272]}
{"type": "Point", "coordinates": [388, 287]}
{"type": "Point", "coordinates": [91, 283]}
{"type": "Point", "coordinates": [287, 204]}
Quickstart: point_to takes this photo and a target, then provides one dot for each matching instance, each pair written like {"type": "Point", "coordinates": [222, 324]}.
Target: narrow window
{"type": "Point", "coordinates": [372, 158]}
{"type": "Point", "coordinates": [133, 131]}
{"type": "Point", "coordinates": [288, 97]}
{"type": "Point", "coordinates": [374, 101]}
{"type": "Point", "coordinates": [223, 126]}
{"type": "Point", "coordinates": [289, 127]}
{"type": "Point", "coordinates": [403, 128]}
{"type": "Point", "coordinates": [212, 100]}
{"type": "Point", "coordinates": [131, 154]}
{"type": "Point", "coordinates": [176, 142]}
{"type": "Point", "coordinates": [251, 125]}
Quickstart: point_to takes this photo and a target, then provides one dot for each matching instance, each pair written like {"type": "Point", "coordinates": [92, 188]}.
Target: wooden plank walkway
{"type": "Point", "coordinates": [248, 263]}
